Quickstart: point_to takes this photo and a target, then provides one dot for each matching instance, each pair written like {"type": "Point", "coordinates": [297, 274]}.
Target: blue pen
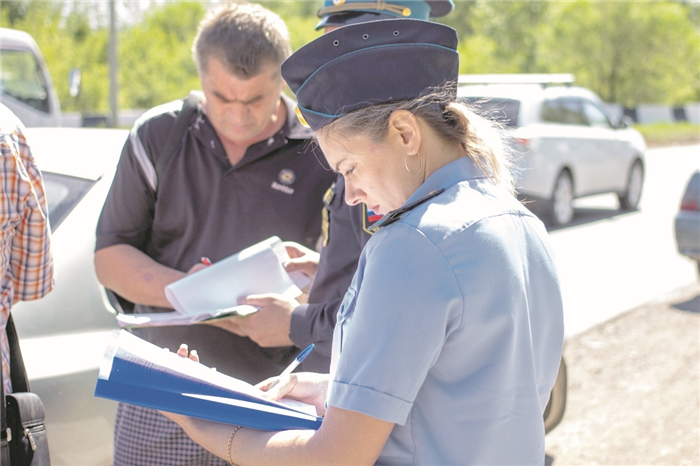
{"type": "Point", "coordinates": [298, 360]}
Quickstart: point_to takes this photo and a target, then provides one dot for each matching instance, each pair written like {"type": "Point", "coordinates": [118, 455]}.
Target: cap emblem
{"type": "Point", "coordinates": [379, 6]}
{"type": "Point", "coordinates": [301, 118]}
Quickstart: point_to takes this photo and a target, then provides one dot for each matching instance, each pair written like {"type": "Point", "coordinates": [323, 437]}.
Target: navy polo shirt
{"type": "Point", "coordinates": [203, 206]}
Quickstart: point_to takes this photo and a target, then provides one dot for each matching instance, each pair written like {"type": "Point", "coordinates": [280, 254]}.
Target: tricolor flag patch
{"type": "Point", "coordinates": [369, 217]}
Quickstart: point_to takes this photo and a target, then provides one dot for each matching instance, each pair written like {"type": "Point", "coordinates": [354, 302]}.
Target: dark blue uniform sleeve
{"type": "Point", "coordinates": [314, 322]}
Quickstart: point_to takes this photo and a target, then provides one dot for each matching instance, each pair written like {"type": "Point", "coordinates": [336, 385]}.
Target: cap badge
{"type": "Point", "coordinates": [301, 118]}
{"type": "Point", "coordinates": [338, 2]}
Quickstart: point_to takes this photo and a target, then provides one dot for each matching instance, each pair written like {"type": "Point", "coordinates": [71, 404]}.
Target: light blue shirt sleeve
{"type": "Point", "coordinates": [393, 324]}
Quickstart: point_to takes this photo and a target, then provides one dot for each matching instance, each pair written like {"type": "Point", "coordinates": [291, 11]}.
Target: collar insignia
{"type": "Point", "coordinates": [396, 215]}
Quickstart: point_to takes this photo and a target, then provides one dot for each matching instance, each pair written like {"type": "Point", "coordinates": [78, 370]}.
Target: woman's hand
{"type": "Point", "coordinates": [308, 387]}
{"type": "Point", "coordinates": [303, 259]}
{"type": "Point", "coordinates": [181, 419]}
{"type": "Point", "coordinates": [182, 351]}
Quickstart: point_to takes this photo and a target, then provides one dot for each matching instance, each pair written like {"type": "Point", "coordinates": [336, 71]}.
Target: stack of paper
{"type": "Point", "coordinates": [213, 292]}
{"type": "Point", "coordinates": [140, 373]}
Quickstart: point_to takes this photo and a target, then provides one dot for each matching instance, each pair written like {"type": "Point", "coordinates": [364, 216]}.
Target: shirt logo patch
{"type": "Point", "coordinates": [282, 188]}
{"type": "Point", "coordinates": [286, 176]}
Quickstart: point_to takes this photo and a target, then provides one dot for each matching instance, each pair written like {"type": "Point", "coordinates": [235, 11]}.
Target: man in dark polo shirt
{"type": "Point", "coordinates": [243, 172]}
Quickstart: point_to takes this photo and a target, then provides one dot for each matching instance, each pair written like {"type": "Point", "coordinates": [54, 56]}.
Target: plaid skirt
{"type": "Point", "coordinates": [144, 437]}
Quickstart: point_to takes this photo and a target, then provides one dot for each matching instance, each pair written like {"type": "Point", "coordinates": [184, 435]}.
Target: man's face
{"type": "Point", "coordinates": [241, 110]}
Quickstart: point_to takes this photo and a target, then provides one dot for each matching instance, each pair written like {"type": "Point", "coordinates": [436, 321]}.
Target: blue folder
{"type": "Point", "coordinates": [126, 378]}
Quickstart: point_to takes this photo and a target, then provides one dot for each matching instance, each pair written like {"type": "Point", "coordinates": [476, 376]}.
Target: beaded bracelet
{"type": "Point", "coordinates": [228, 448]}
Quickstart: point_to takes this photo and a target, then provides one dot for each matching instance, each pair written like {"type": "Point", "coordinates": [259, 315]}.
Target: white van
{"type": "Point", "coordinates": [25, 81]}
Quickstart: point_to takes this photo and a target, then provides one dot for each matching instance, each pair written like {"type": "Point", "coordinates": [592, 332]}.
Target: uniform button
{"type": "Point", "coordinates": [212, 143]}
{"type": "Point", "coordinates": [271, 141]}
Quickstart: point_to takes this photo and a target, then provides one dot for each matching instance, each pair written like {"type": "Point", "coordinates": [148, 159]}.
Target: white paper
{"type": "Point", "coordinates": [159, 319]}
{"type": "Point", "coordinates": [255, 270]}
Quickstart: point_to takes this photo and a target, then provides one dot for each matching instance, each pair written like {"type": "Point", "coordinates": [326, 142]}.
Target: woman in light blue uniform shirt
{"type": "Point", "coordinates": [449, 339]}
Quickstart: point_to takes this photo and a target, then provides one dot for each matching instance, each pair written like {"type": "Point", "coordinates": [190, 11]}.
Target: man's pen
{"type": "Point", "coordinates": [298, 360]}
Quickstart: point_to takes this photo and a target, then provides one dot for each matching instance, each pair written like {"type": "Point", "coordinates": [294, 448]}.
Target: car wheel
{"type": "Point", "coordinates": [561, 211]}
{"type": "Point", "coordinates": [554, 412]}
{"type": "Point", "coordinates": [629, 200]}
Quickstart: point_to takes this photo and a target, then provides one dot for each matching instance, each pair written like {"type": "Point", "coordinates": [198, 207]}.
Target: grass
{"type": "Point", "coordinates": [669, 134]}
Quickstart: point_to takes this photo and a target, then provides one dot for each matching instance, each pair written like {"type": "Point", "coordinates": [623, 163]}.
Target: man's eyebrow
{"type": "Point", "coordinates": [223, 98]}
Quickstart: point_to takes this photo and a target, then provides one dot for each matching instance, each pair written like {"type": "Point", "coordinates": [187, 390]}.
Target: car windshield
{"type": "Point", "coordinates": [22, 78]}
{"type": "Point", "coordinates": [504, 111]}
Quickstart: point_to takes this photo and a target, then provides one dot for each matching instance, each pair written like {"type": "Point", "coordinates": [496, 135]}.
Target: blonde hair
{"type": "Point", "coordinates": [452, 120]}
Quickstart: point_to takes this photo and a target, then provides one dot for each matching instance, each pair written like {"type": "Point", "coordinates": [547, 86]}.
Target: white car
{"type": "Point", "coordinates": [565, 142]}
{"type": "Point", "coordinates": [64, 335]}
{"type": "Point", "coordinates": [25, 81]}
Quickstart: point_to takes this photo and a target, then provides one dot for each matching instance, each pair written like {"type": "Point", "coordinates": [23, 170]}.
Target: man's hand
{"type": "Point", "coordinates": [303, 259]}
{"type": "Point", "coordinates": [269, 327]}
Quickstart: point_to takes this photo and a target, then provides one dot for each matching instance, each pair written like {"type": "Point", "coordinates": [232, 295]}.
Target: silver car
{"type": "Point", "coordinates": [63, 335]}
{"type": "Point", "coordinates": [566, 144]}
{"type": "Point", "coordinates": [687, 225]}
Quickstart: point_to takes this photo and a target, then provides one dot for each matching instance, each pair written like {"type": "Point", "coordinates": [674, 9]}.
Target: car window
{"type": "Point", "coordinates": [63, 193]}
{"type": "Point", "coordinates": [22, 79]}
{"type": "Point", "coordinates": [504, 111]}
{"type": "Point", "coordinates": [595, 116]}
{"type": "Point", "coordinates": [564, 111]}
{"type": "Point", "coordinates": [551, 111]}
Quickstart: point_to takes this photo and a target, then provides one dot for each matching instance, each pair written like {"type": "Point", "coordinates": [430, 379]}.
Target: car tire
{"type": "Point", "coordinates": [554, 412]}
{"type": "Point", "coordinates": [561, 209]}
{"type": "Point", "coordinates": [629, 200]}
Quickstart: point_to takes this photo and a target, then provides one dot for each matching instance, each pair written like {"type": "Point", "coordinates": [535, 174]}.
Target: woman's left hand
{"type": "Point", "coordinates": [183, 353]}
{"type": "Point", "coordinates": [181, 419]}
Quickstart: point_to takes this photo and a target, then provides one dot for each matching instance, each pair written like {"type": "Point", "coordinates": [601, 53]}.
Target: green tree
{"type": "Point", "coordinates": [66, 41]}
{"type": "Point", "coordinates": [155, 55]}
{"type": "Point", "coordinates": [627, 52]}
{"type": "Point", "coordinates": [499, 36]}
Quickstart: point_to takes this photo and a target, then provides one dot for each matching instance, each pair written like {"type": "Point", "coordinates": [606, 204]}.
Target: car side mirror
{"type": "Point", "coordinates": [625, 122]}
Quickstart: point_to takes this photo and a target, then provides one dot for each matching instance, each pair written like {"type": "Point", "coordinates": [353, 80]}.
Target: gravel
{"type": "Point", "coordinates": [634, 389]}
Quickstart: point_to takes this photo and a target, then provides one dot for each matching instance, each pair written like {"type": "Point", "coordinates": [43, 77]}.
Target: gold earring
{"type": "Point", "coordinates": [405, 163]}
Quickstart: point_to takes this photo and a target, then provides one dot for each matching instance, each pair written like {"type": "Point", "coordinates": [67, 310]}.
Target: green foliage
{"type": "Point", "coordinates": [627, 52]}
{"type": "Point", "coordinates": [155, 56]}
{"type": "Point", "coordinates": [289, 9]}
{"type": "Point", "coordinates": [66, 41]}
{"type": "Point", "coordinates": [668, 134]}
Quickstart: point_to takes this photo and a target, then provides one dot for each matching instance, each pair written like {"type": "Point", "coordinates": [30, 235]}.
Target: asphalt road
{"type": "Point", "coordinates": [610, 262]}
{"type": "Point", "coordinates": [634, 390]}
{"type": "Point", "coordinates": [632, 316]}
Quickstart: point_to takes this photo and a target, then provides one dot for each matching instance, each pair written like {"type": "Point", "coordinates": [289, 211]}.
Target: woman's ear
{"type": "Point", "coordinates": [404, 125]}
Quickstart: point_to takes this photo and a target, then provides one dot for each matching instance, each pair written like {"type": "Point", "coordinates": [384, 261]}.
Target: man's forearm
{"type": "Point", "coordinates": [133, 275]}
